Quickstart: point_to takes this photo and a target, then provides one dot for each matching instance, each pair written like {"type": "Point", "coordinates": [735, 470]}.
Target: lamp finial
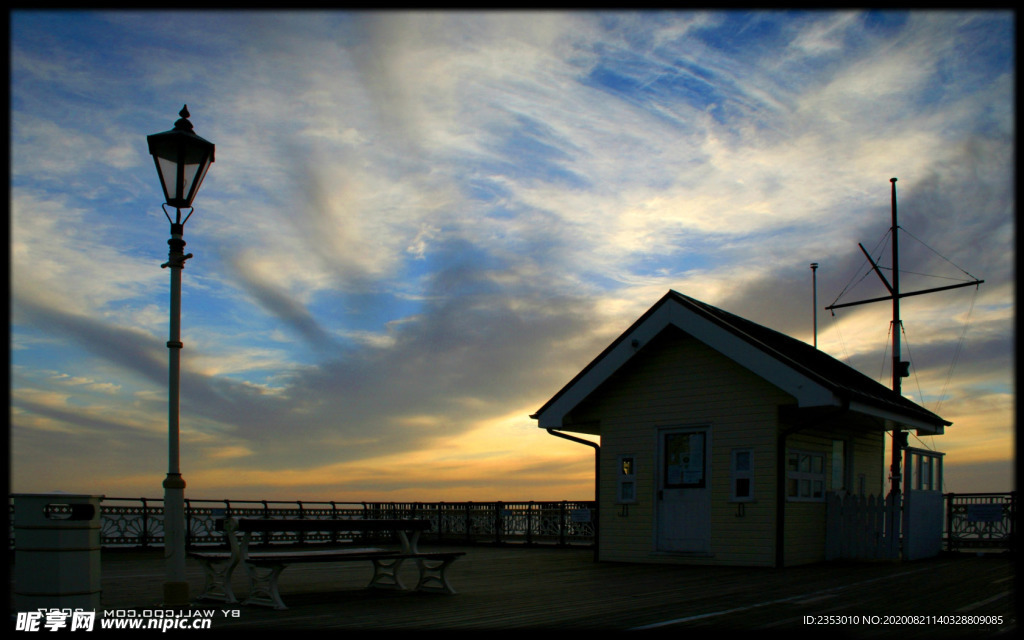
{"type": "Point", "coordinates": [183, 124]}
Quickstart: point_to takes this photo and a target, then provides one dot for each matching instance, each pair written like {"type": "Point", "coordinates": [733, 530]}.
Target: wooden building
{"type": "Point", "coordinates": [720, 438]}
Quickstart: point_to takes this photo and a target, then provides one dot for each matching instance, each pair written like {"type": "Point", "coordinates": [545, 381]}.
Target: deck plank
{"type": "Point", "coordinates": [513, 587]}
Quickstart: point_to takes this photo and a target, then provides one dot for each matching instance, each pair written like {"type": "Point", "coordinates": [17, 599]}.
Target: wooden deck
{"type": "Point", "coordinates": [509, 588]}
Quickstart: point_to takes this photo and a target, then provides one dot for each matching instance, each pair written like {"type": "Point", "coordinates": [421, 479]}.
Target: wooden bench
{"type": "Point", "coordinates": [264, 567]}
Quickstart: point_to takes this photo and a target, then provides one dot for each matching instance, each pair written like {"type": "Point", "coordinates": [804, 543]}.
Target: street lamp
{"type": "Point", "coordinates": [182, 159]}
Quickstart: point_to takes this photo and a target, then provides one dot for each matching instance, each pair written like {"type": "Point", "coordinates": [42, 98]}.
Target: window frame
{"type": "Point", "coordinates": [736, 474]}
{"type": "Point", "coordinates": [810, 475]}
{"type": "Point", "coordinates": [844, 474]}
{"type": "Point", "coordinates": [625, 479]}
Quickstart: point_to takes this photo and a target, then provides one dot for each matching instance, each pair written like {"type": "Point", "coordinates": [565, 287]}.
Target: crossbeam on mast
{"type": "Point", "coordinates": [905, 295]}
{"type": "Point", "coordinates": [899, 368]}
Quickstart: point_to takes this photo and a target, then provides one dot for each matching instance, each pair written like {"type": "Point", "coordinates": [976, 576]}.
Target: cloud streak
{"type": "Point", "coordinates": [421, 224]}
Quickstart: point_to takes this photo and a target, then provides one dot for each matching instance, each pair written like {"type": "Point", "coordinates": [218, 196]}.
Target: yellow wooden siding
{"type": "Point", "coordinates": [680, 382]}
{"type": "Point", "coordinates": [869, 460]}
{"type": "Point", "coordinates": [805, 521]}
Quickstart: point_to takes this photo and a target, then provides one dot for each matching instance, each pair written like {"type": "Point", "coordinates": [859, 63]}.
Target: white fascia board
{"type": "Point", "coordinates": [552, 417]}
{"type": "Point", "coordinates": [807, 392]}
{"type": "Point", "coordinates": [900, 420]}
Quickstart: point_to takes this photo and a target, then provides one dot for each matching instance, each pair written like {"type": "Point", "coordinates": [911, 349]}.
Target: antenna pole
{"type": "Point", "coordinates": [814, 306]}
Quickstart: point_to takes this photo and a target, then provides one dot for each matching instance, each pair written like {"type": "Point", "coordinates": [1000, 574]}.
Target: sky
{"type": "Point", "coordinates": [420, 226]}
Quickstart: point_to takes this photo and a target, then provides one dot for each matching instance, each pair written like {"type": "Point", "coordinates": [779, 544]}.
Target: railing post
{"type": "Point", "coordinates": [949, 521]}
{"type": "Point", "coordinates": [188, 524]}
{"type": "Point", "coordinates": [334, 515]}
{"type": "Point", "coordinates": [266, 514]}
{"type": "Point", "coordinates": [414, 509]}
{"type": "Point", "coordinates": [561, 523]}
{"type": "Point", "coordinates": [145, 524]}
{"type": "Point", "coordinates": [529, 520]}
{"type": "Point", "coordinates": [1012, 515]}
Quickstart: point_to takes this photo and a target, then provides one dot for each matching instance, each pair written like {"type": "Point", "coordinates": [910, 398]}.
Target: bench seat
{"type": "Point", "coordinates": [264, 567]}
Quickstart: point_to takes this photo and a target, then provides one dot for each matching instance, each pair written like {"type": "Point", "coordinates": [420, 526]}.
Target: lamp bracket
{"type": "Point", "coordinates": [177, 219]}
{"type": "Point", "coordinates": [180, 262]}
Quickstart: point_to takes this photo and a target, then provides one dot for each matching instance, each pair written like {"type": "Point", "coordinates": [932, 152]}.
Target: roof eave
{"type": "Point", "coordinates": [808, 387]}
{"type": "Point", "coordinates": [900, 420]}
{"type": "Point", "coordinates": [807, 390]}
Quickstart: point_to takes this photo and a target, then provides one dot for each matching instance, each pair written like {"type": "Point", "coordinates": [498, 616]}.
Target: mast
{"type": "Point", "coordinates": [900, 369]}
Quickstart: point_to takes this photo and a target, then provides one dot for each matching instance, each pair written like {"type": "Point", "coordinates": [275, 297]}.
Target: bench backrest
{"type": "Point", "coordinates": [239, 532]}
{"type": "Point", "coordinates": [305, 524]}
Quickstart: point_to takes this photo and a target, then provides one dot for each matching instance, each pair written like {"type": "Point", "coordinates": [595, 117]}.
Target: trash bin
{"type": "Point", "coordinates": [56, 551]}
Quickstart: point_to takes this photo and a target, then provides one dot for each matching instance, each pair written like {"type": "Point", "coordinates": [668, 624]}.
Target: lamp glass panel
{"type": "Point", "coordinates": [168, 175]}
{"type": "Point", "coordinates": [194, 175]}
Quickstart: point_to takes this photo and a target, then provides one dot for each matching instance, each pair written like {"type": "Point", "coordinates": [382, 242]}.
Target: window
{"type": "Point", "coordinates": [924, 469]}
{"type": "Point", "coordinates": [925, 478]}
{"type": "Point", "coordinates": [805, 476]}
{"type": "Point", "coordinates": [626, 490]}
{"type": "Point", "coordinates": [741, 475]}
{"type": "Point", "coordinates": [684, 461]}
{"type": "Point", "coordinates": [840, 465]}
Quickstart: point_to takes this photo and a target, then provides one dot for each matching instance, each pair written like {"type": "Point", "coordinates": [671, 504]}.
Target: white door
{"type": "Point", "coordinates": [684, 491]}
{"type": "Point", "coordinates": [923, 504]}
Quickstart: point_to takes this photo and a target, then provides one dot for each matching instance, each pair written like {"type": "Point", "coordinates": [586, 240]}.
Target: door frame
{"type": "Point", "coordinates": [701, 502]}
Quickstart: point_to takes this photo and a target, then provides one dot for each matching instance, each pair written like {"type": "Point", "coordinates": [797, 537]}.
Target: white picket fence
{"type": "Point", "coordinates": [862, 528]}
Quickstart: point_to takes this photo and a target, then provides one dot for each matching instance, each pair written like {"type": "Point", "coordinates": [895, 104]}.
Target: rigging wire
{"type": "Point", "coordinates": [924, 445]}
{"type": "Point", "coordinates": [851, 284]}
{"type": "Point", "coordinates": [848, 286]}
{"type": "Point", "coordinates": [961, 269]}
{"type": "Point", "coordinates": [960, 343]}
{"type": "Point", "coordinates": [881, 374]}
{"type": "Point", "coordinates": [956, 352]}
{"type": "Point", "coordinates": [920, 393]}
{"type": "Point", "coordinates": [927, 275]}
{"type": "Point", "coordinates": [910, 357]}
{"type": "Point", "coordinates": [880, 246]}
{"type": "Point", "coordinates": [842, 342]}
{"type": "Point", "coordinates": [877, 251]}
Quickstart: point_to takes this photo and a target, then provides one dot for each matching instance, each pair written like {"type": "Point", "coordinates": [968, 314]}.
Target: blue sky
{"type": "Point", "coordinates": [420, 226]}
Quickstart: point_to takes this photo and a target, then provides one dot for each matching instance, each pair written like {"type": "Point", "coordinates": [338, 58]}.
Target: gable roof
{"type": "Point", "coordinates": [813, 377]}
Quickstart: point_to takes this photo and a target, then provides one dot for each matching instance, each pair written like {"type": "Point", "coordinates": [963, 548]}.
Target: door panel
{"type": "Point", "coordinates": [684, 491]}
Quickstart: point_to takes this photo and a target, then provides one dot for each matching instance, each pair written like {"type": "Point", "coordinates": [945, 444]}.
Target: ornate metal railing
{"type": "Point", "coordinates": [138, 522]}
{"type": "Point", "coordinates": [973, 520]}
{"type": "Point", "coordinates": [980, 520]}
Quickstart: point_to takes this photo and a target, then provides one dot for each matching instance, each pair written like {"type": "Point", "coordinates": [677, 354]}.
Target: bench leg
{"type": "Point", "coordinates": [385, 574]}
{"type": "Point", "coordinates": [218, 580]}
{"type": "Point", "coordinates": [433, 575]}
{"type": "Point", "coordinates": [263, 586]}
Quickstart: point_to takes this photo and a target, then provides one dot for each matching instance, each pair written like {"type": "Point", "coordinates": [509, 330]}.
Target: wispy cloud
{"type": "Point", "coordinates": [421, 224]}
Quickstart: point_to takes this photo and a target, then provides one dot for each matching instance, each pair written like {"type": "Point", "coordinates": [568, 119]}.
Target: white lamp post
{"type": "Point", "coordinates": [182, 159]}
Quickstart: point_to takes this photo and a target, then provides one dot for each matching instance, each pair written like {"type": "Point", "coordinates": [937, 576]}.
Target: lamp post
{"type": "Point", "coordinates": [182, 159]}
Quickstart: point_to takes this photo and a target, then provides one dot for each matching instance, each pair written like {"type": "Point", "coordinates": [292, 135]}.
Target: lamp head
{"type": "Point", "coordinates": [182, 159]}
